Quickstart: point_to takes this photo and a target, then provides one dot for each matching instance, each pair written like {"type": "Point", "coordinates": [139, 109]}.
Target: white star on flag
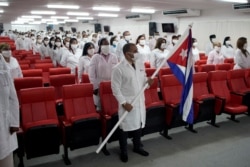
{"type": "Point", "coordinates": [183, 54]}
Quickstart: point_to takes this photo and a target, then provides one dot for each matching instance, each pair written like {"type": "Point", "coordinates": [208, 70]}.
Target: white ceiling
{"type": "Point", "coordinates": [18, 8]}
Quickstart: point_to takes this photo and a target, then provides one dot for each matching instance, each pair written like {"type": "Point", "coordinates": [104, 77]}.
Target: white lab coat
{"type": "Point", "coordinates": [20, 44]}
{"type": "Point", "coordinates": [196, 54]}
{"type": "Point", "coordinates": [151, 43]}
{"type": "Point", "coordinates": [72, 60]}
{"type": "Point", "coordinates": [44, 51]}
{"type": "Point", "coordinates": [15, 70]}
{"type": "Point", "coordinates": [126, 82]}
{"type": "Point", "coordinates": [209, 48]}
{"type": "Point", "coordinates": [144, 51]}
{"type": "Point", "coordinates": [157, 57]}
{"type": "Point", "coordinates": [28, 43]}
{"type": "Point", "coordinates": [227, 52]}
{"type": "Point", "coordinates": [9, 112]}
{"type": "Point", "coordinates": [83, 66]}
{"type": "Point", "coordinates": [57, 55]}
{"type": "Point", "coordinates": [119, 49]}
{"type": "Point", "coordinates": [241, 61]}
{"type": "Point", "coordinates": [36, 48]}
{"type": "Point", "coordinates": [215, 58]}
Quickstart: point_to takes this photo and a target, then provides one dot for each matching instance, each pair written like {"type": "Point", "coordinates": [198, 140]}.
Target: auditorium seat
{"type": "Point", "coordinates": [32, 73]}
{"type": "Point", "coordinates": [38, 61]}
{"type": "Point", "coordinates": [226, 102]}
{"type": "Point", "coordinates": [150, 71]}
{"type": "Point", "coordinates": [85, 78]}
{"type": "Point", "coordinates": [229, 60]}
{"type": "Point", "coordinates": [45, 68]}
{"type": "Point", "coordinates": [206, 68]}
{"type": "Point", "coordinates": [147, 65]}
{"type": "Point", "coordinates": [24, 66]}
{"type": "Point", "coordinates": [203, 56]}
{"type": "Point", "coordinates": [109, 112]}
{"type": "Point", "coordinates": [59, 71]}
{"type": "Point", "coordinates": [247, 77]}
{"type": "Point", "coordinates": [164, 71]}
{"type": "Point", "coordinates": [200, 62]}
{"type": "Point", "coordinates": [224, 66]}
{"type": "Point", "coordinates": [39, 122]}
{"type": "Point", "coordinates": [81, 126]}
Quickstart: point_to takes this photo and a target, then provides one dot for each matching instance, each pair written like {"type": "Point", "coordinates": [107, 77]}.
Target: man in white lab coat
{"type": "Point", "coordinates": [127, 79]}
{"type": "Point", "coordinates": [9, 116]}
{"type": "Point", "coordinates": [119, 50]}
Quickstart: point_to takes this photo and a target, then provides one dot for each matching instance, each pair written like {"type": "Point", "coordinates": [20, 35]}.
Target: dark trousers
{"type": "Point", "coordinates": [136, 134]}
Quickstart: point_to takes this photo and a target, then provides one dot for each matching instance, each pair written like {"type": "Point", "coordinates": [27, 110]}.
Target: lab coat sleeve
{"type": "Point", "coordinates": [93, 71]}
{"type": "Point", "coordinates": [64, 59]}
{"type": "Point", "coordinates": [116, 82]}
{"type": "Point", "coordinates": [239, 60]}
{"type": "Point", "coordinates": [13, 107]}
{"type": "Point", "coordinates": [80, 68]}
{"type": "Point", "coordinates": [20, 74]}
{"type": "Point", "coordinates": [210, 58]}
{"type": "Point", "coordinates": [152, 60]}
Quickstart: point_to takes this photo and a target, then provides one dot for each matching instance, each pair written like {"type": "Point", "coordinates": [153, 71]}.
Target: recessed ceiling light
{"type": "Point", "coordinates": [35, 17]}
{"type": "Point", "coordinates": [48, 20]}
{"type": "Point", "coordinates": [25, 19]}
{"type": "Point", "coordinates": [137, 10]}
{"type": "Point", "coordinates": [4, 4]}
{"type": "Point", "coordinates": [17, 22]}
{"type": "Point", "coordinates": [1, 11]}
{"type": "Point", "coordinates": [64, 6]}
{"type": "Point", "coordinates": [107, 15]}
{"type": "Point", "coordinates": [52, 23]}
{"type": "Point", "coordinates": [236, 1]}
{"type": "Point", "coordinates": [60, 17]}
{"type": "Point", "coordinates": [115, 9]}
{"type": "Point", "coordinates": [35, 22]}
{"type": "Point", "coordinates": [43, 12]}
{"type": "Point", "coordinates": [78, 13]}
{"type": "Point", "coordinates": [71, 20]}
{"type": "Point", "coordinates": [84, 18]}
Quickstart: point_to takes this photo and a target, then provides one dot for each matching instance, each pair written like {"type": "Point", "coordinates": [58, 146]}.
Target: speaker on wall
{"type": "Point", "coordinates": [106, 28]}
{"type": "Point", "coordinates": [98, 28]}
{"type": "Point", "coordinates": [152, 28]}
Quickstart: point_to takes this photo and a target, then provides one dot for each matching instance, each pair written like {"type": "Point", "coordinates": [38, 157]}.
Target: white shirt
{"type": "Point", "coordinates": [20, 44]}
{"type": "Point", "coordinates": [72, 60]}
{"type": "Point", "coordinates": [44, 51]}
{"type": "Point", "coordinates": [15, 70]}
{"type": "Point", "coordinates": [83, 66]}
{"type": "Point", "coordinates": [157, 57]}
{"type": "Point", "coordinates": [209, 48]}
{"type": "Point", "coordinates": [65, 53]}
{"type": "Point", "coordinates": [145, 51]}
{"type": "Point", "coordinates": [57, 54]}
{"type": "Point", "coordinates": [241, 61]}
{"type": "Point", "coordinates": [126, 82]}
{"type": "Point", "coordinates": [196, 54]}
{"type": "Point", "coordinates": [215, 58]}
{"type": "Point", "coordinates": [36, 48]}
{"type": "Point", "coordinates": [151, 44]}
{"type": "Point", "coordinates": [119, 49]}
{"type": "Point", "coordinates": [227, 51]}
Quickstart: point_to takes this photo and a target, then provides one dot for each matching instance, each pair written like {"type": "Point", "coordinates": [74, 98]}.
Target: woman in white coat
{"type": "Point", "coordinates": [11, 62]}
{"type": "Point", "coordinates": [44, 49]}
{"type": "Point", "coordinates": [242, 56]}
{"type": "Point", "coordinates": [143, 49]}
{"type": "Point", "coordinates": [84, 61]}
{"type": "Point", "coordinates": [9, 116]}
{"type": "Point", "coordinates": [227, 49]}
{"type": "Point", "coordinates": [100, 68]}
{"type": "Point", "coordinates": [215, 56]}
{"type": "Point", "coordinates": [128, 78]}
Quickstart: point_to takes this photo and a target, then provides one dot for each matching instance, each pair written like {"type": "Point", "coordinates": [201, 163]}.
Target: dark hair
{"type": "Point", "coordinates": [174, 37]}
{"type": "Point", "coordinates": [123, 34]}
{"type": "Point", "coordinates": [226, 39]}
{"type": "Point", "coordinates": [111, 33]}
{"type": "Point", "coordinates": [240, 44]}
{"type": "Point", "coordinates": [57, 38]}
{"type": "Point", "coordinates": [112, 39]}
{"type": "Point", "coordinates": [127, 47]}
{"type": "Point", "coordinates": [51, 39]}
{"type": "Point", "coordinates": [86, 47]}
{"type": "Point", "coordinates": [138, 38]}
{"type": "Point", "coordinates": [70, 42]}
{"type": "Point", "coordinates": [159, 42]}
{"type": "Point", "coordinates": [212, 36]}
{"type": "Point", "coordinates": [45, 38]}
{"type": "Point", "coordinates": [193, 40]}
{"type": "Point", "coordinates": [100, 43]}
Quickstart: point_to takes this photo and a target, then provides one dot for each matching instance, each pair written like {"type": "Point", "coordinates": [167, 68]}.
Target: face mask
{"type": "Point", "coordinates": [142, 42]}
{"type": "Point", "coordinates": [52, 42]}
{"type": "Point", "coordinates": [228, 42]}
{"type": "Point", "coordinates": [91, 52]}
{"type": "Point", "coordinates": [79, 39]}
{"type": "Point", "coordinates": [213, 40]}
{"type": "Point", "coordinates": [46, 42]}
{"type": "Point", "coordinates": [94, 39]}
{"type": "Point", "coordinates": [85, 39]}
{"type": "Point", "coordinates": [105, 49]}
{"type": "Point", "coordinates": [74, 46]}
{"type": "Point", "coordinates": [195, 44]}
{"type": "Point", "coordinates": [39, 41]}
{"type": "Point", "coordinates": [245, 46]}
{"type": "Point", "coordinates": [6, 53]}
{"type": "Point", "coordinates": [136, 56]}
{"type": "Point", "coordinates": [58, 44]}
{"type": "Point", "coordinates": [67, 44]}
{"type": "Point", "coordinates": [128, 38]}
{"type": "Point", "coordinates": [115, 43]}
{"type": "Point", "coordinates": [163, 46]}
{"type": "Point", "coordinates": [175, 41]}
{"type": "Point", "coordinates": [33, 38]}
{"type": "Point", "coordinates": [217, 49]}
{"type": "Point", "coordinates": [68, 35]}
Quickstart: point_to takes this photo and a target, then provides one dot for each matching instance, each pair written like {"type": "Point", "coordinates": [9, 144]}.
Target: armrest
{"type": "Point", "coordinates": [105, 116]}
{"type": "Point", "coordinates": [237, 93]}
{"type": "Point", "coordinates": [220, 98]}
{"type": "Point", "coordinates": [197, 101]}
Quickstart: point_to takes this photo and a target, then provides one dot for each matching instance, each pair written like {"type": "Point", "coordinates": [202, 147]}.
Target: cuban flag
{"type": "Point", "coordinates": [181, 64]}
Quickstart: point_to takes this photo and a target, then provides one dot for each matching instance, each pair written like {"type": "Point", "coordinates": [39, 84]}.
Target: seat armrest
{"type": "Point", "coordinates": [237, 93]}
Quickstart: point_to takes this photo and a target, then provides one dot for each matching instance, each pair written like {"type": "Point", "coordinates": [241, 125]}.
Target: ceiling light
{"type": "Point", "coordinates": [4, 4]}
{"type": "Point", "coordinates": [35, 17]}
{"type": "Point", "coordinates": [35, 22]}
{"type": "Point", "coordinates": [64, 6]}
{"type": "Point", "coordinates": [115, 9]}
{"type": "Point", "coordinates": [53, 23]}
{"type": "Point", "coordinates": [46, 20]}
{"type": "Point", "coordinates": [43, 12]}
{"type": "Point", "coordinates": [85, 18]}
{"type": "Point", "coordinates": [137, 10]}
{"type": "Point", "coordinates": [25, 19]}
{"type": "Point", "coordinates": [17, 22]}
{"type": "Point", "coordinates": [71, 20]}
{"type": "Point", "coordinates": [60, 17]}
{"type": "Point", "coordinates": [236, 1]}
{"type": "Point", "coordinates": [1, 11]}
{"type": "Point", "coordinates": [78, 13]}
{"type": "Point", "coordinates": [107, 15]}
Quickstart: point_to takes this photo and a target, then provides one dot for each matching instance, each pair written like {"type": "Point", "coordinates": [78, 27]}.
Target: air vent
{"type": "Point", "coordinates": [182, 13]}
{"type": "Point", "coordinates": [139, 17]}
{"type": "Point", "coordinates": [242, 7]}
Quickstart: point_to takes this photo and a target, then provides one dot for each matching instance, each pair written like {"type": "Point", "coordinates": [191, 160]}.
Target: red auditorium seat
{"type": "Point", "coordinates": [147, 65]}
{"type": "Point", "coordinates": [24, 66]}
{"type": "Point", "coordinates": [59, 71]}
{"type": "Point", "coordinates": [206, 68]}
{"type": "Point", "coordinates": [203, 56]}
{"type": "Point", "coordinates": [150, 71]}
{"type": "Point", "coordinates": [57, 81]}
{"type": "Point", "coordinates": [224, 66]}
{"type": "Point", "coordinates": [38, 61]}
{"type": "Point", "coordinates": [45, 67]}
{"type": "Point", "coordinates": [200, 62]}
{"type": "Point", "coordinates": [82, 125]}
{"type": "Point", "coordinates": [39, 122]}
{"type": "Point", "coordinates": [226, 102]}
{"type": "Point", "coordinates": [85, 78]}
{"type": "Point", "coordinates": [32, 73]}
{"type": "Point", "coordinates": [229, 60]}
{"type": "Point", "coordinates": [164, 71]}
{"type": "Point", "coordinates": [247, 77]}
{"type": "Point", "coordinates": [24, 61]}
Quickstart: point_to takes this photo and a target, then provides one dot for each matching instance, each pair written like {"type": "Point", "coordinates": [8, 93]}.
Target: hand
{"type": "Point", "coordinates": [150, 81]}
{"type": "Point", "coordinates": [95, 92]}
{"type": "Point", "coordinates": [13, 130]}
{"type": "Point", "coordinates": [128, 107]}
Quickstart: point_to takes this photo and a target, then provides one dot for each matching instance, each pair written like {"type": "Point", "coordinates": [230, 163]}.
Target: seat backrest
{"type": "Point", "coordinates": [85, 78]}
{"type": "Point", "coordinates": [147, 65]}
{"type": "Point", "coordinates": [164, 71]}
{"type": "Point", "coordinates": [78, 100]}
{"type": "Point", "coordinates": [217, 83]}
{"type": "Point", "coordinates": [236, 80]}
{"type": "Point", "coordinates": [171, 89]}
{"type": "Point", "coordinates": [28, 82]}
{"type": "Point", "coordinates": [203, 56]}
{"type": "Point", "coordinates": [200, 84]}
{"type": "Point", "coordinates": [224, 66]}
{"type": "Point", "coordinates": [206, 67]}
{"type": "Point", "coordinates": [229, 60]}
{"type": "Point", "coordinates": [57, 81]}
{"type": "Point", "coordinates": [151, 94]}
{"type": "Point", "coordinates": [32, 73]}
{"type": "Point", "coordinates": [150, 71]}
{"type": "Point", "coordinates": [247, 77]}
{"type": "Point", "coordinates": [108, 101]}
{"type": "Point", "coordinates": [37, 105]}
{"type": "Point", "coordinates": [59, 71]}
{"type": "Point", "coordinates": [43, 61]}
{"type": "Point", "coordinates": [24, 66]}
{"type": "Point", "coordinates": [24, 62]}
{"type": "Point", "coordinates": [44, 66]}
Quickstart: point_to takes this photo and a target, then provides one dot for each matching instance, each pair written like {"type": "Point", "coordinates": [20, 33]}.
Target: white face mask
{"type": "Point", "coordinates": [91, 52]}
{"type": "Point", "coordinates": [33, 38]}
{"type": "Point", "coordinates": [6, 53]}
{"type": "Point", "coordinates": [245, 46]}
{"type": "Point", "coordinates": [142, 42]}
{"type": "Point", "coordinates": [46, 42]}
{"type": "Point", "coordinates": [228, 42]}
{"type": "Point", "coordinates": [52, 42]}
{"type": "Point", "coordinates": [105, 49]}
{"type": "Point", "coordinates": [67, 44]}
{"type": "Point", "coordinates": [58, 44]}
{"type": "Point", "coordinates": [163, 46]}
{"type": "Point", "coordinates": [217, 49]}
{"type": "Point", "coordinates": [68, 35]}
{"type": "Point", "coordinates": [85, 39]}
{"type": "Point", "coordinates": [128, 38]}
{"type": "Point", "coordinates": [136, 56]}
{"type": "Point", "coordinates": [94, 39]}
{"type": "Point", "coordinates": [195, 44]}
{"type": "Point", "coordinates": [39, 41]}
{"type": "Point", "coordinates": [74, 46]}
{"type": "Point", "coordinates": [213, 40]}
{"type": "Point", "coordinates": [175, 41]}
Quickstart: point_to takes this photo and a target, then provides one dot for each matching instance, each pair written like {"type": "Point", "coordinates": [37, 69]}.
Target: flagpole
{"type": "Point", "coordinates": [142, 91]}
